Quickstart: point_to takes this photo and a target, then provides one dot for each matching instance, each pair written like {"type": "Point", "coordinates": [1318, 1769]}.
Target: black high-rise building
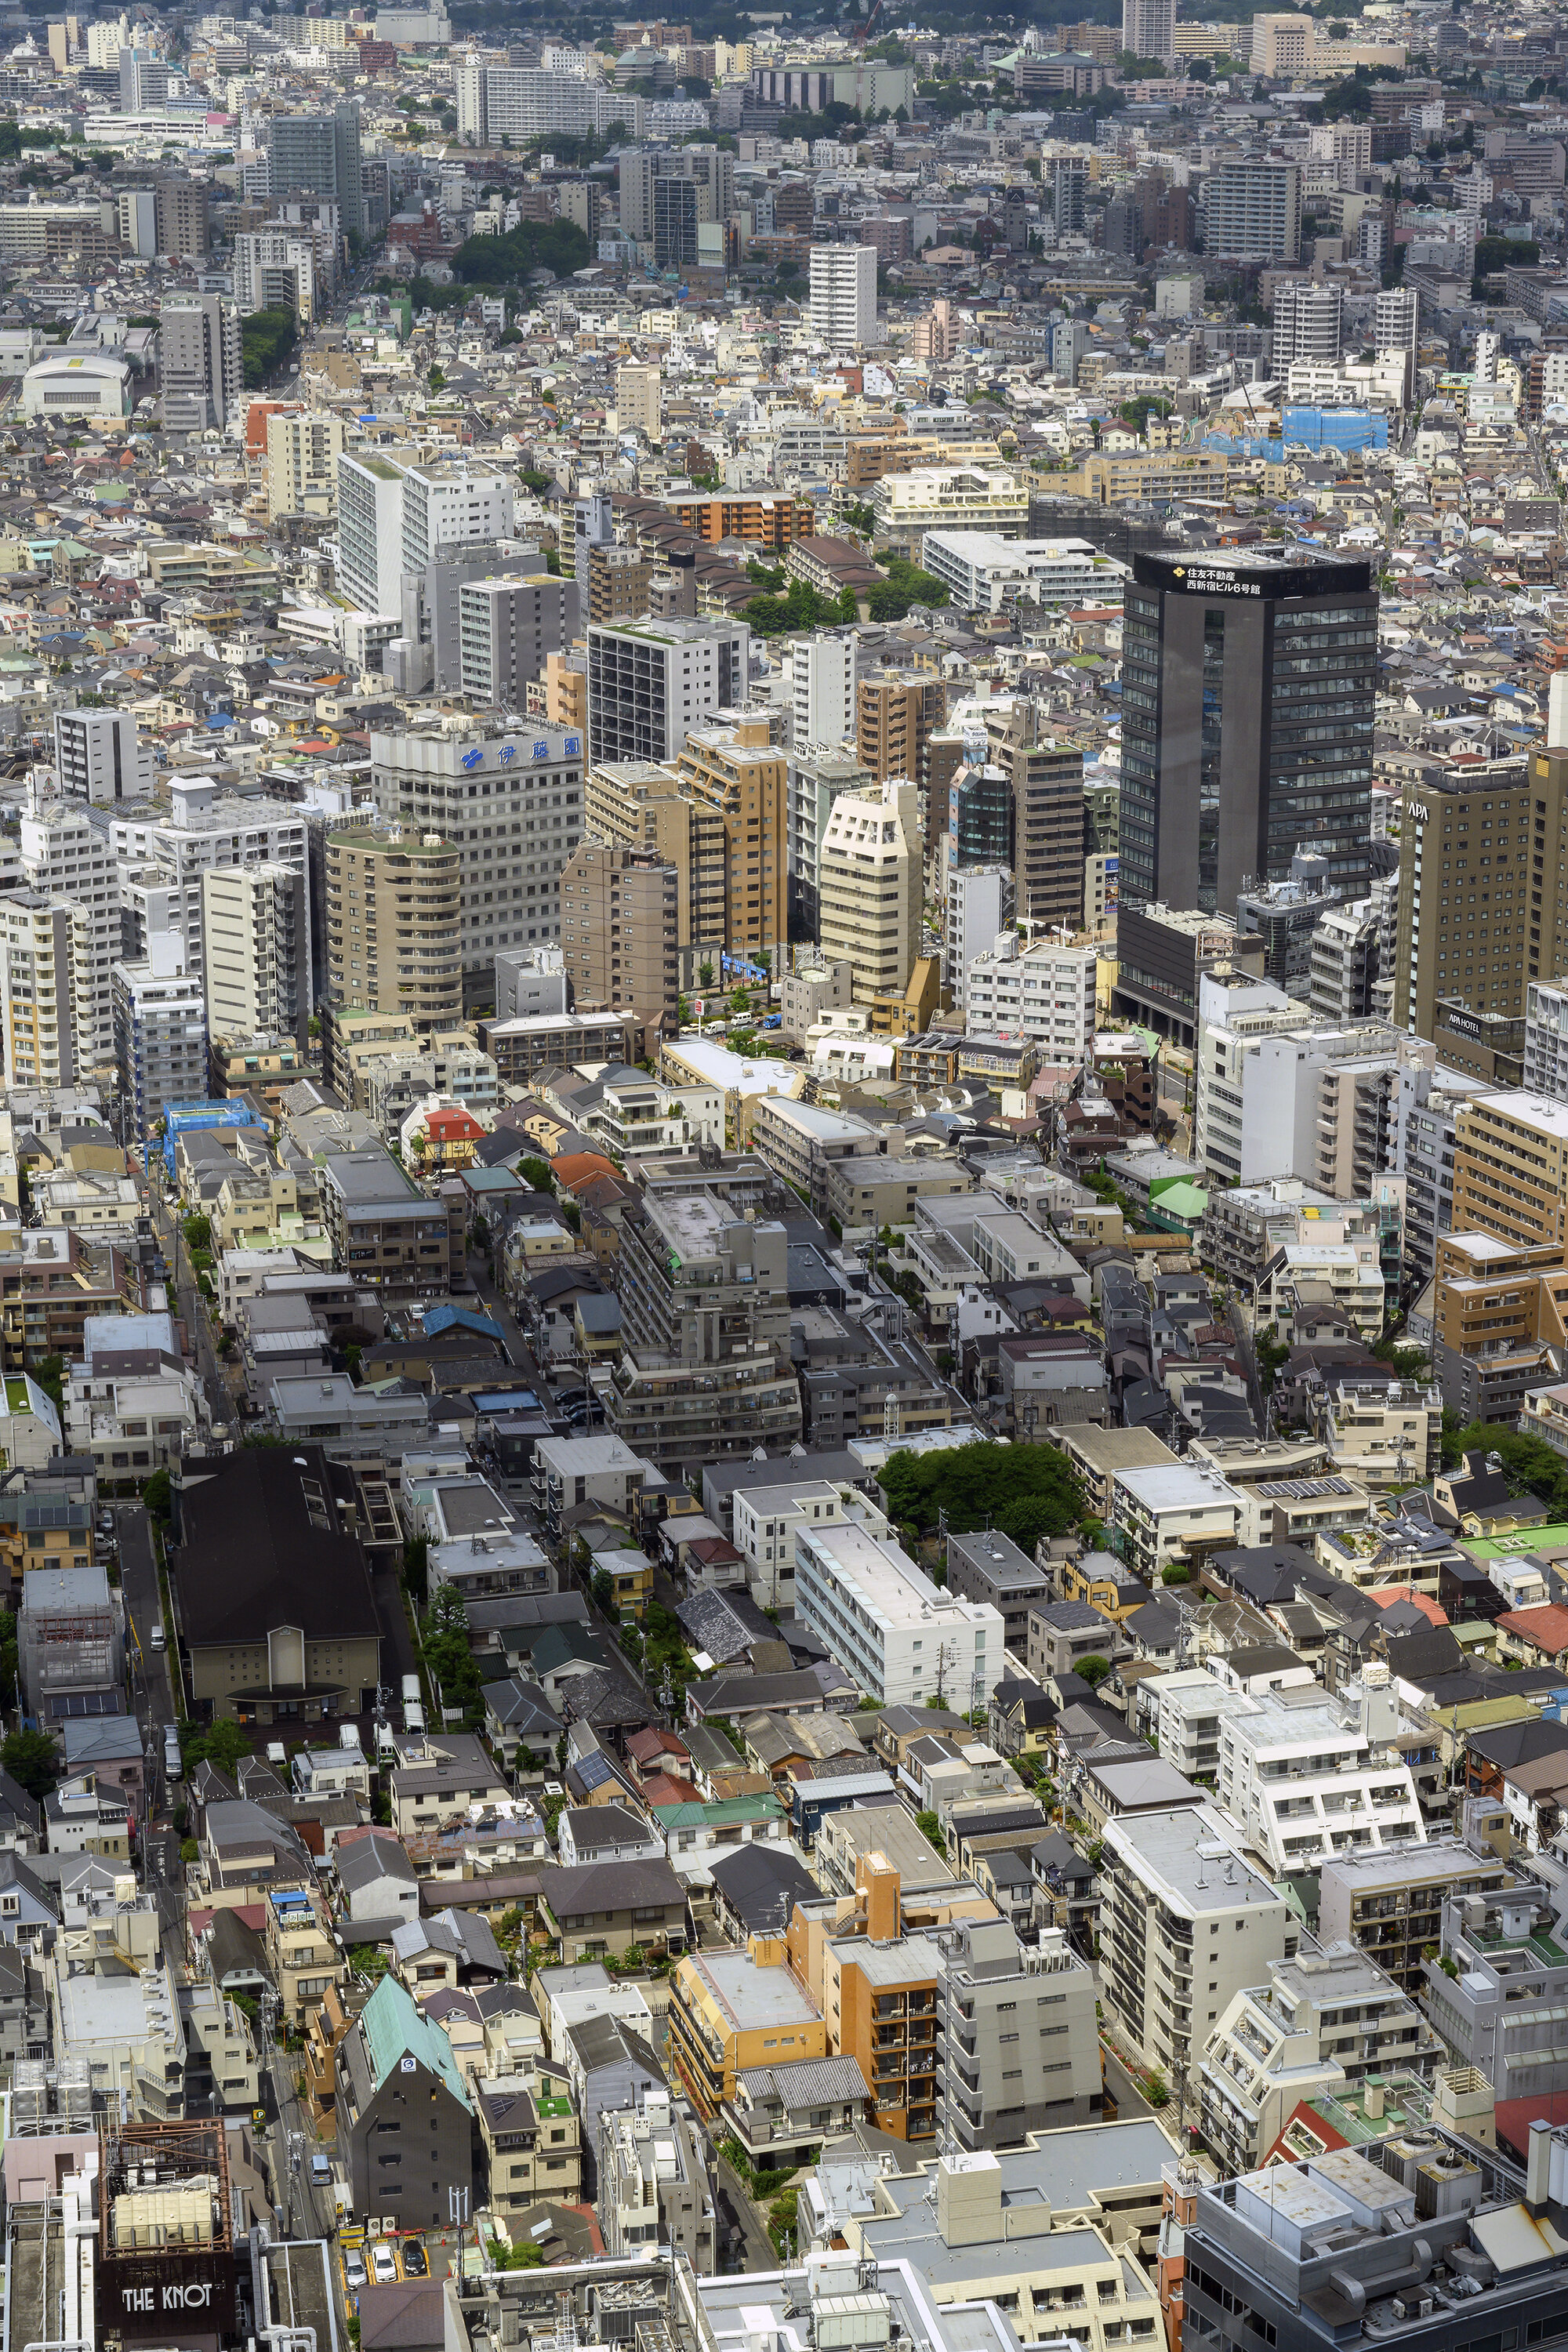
{"type": "Point", "coordinates": [1248, 689]}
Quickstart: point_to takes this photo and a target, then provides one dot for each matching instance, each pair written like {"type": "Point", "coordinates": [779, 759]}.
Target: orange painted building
{"type": "Point", "coordinates": [255, 417]}
{"type": "Point", "coordinates": [768, 518]}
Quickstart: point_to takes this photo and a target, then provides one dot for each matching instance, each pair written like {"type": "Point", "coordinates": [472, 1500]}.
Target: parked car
{"type": "Point", "coordinates": [353, 2269]}
{"type": "Point", "coordinates": [384, 2265]}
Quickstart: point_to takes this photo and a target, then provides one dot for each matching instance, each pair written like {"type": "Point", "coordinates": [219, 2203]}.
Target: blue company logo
{"type": "Point", "coordinates": [506, 753]}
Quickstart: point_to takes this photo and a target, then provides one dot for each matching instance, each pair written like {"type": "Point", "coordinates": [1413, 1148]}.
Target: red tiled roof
{"type": "Point", "coordinates": [1545, 1629]}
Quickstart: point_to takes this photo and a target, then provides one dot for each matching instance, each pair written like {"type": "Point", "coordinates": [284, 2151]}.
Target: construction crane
{"type": "Point", "coordinates": [864, 32]}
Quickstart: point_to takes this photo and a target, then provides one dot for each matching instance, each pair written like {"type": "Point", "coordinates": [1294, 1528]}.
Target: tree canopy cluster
{"type": "Point", "coordinates": [558, 246]}
{"type": "Point", "coordinates": [1025, 1491]}
{"type": "Point", "coordinates": [267, 338]}
{"type": "Point", "coordinates": [800, 607]}
{"type": "Point", "coordinates": [906, 584]}
{"type": "Point", "coordinates": [1531, 1464]}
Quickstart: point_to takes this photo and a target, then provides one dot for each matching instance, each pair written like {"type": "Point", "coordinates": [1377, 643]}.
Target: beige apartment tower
{"type": "Point", "coordinates": [620, 931]}
{"type": "Point", "coordinates": [735, 772]}
{"type": "Point", "coordinates": [302, 455]}
{"type": "Point", "coordinates": [394, 924]}
{"type": "Point", "coordinates": [638, 390]}
{"type": "Point", "coordinates": [870, 876]}
{"type": "Point", "coordinates": [256, 951]}
{"type": "Point", "coordinates": [1483, 906]}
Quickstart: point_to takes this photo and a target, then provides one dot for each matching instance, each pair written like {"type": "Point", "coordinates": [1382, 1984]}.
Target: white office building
{"type": "Point", "coordinates": [100, 756]}
{"type": "Point", "coordinates": [906, 1641]}
{"type": "Point", "coordinates": [980, 901]}
{"type": "Point", "coordinates": [514, 802]}
{"type": "Point", "coordinates": [1044, 992]}
{"type": "Point", "coordinates": [844, 295]}
{"type": "Point", "coordinates": [160, 1034]}
{"type": "Point", "coordinates": [984, 572]}
{"type": "Point", "coordinates": [650, 682]}
{"type": "Point", "coordinates": [394, 514]}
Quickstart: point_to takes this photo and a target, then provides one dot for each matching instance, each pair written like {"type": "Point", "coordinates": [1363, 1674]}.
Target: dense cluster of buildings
{"type": "Point", "coordinates": [784, 1001]}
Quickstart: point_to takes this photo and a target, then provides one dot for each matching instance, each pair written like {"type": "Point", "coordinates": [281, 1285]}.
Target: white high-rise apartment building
{"type": "Point", "coordinates": [160, 1034]}
{"type": "Point", "coordinates": [370, 532]}
{"type": "Point", "coordinates": [870, 877]}
{"type": "Point", "coordinates": [98, 756]}
{"type": "Point", "coordinates": [275, 269]}
{"type": "Point", "coordinates": [844, 294]}
{"type": "Point", "coordinates": [520, 102]}
{"type": "Point", "coordinates": [1396, 318]}
{"type": "Point", "coordinates": [48, 974]}
{"type": "Point", "coordinates": [1309, 323]}
{"type": "Point", "coordinates": [1148, 28]}
{"type": "Point", "coordinates": [65, 856]}
{"type": "Point", "coordinates": [255, 936]}
{"type": "Point", "coordinates": [207, 828]}
{"type": "Point", "coordinates": [821, 689]}
{"type": "Point", "coordinates": [394, 515]}
{"type": "Point", "coordinates": [1252, 212]}
{"type": "Point", "coordinates": [200, 361]}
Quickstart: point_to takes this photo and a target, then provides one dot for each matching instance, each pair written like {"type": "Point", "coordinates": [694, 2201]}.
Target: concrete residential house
{"type": "Point", "coordinates": [656, 2187]}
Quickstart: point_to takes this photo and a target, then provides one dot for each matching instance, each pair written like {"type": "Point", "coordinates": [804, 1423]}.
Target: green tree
{"type": "Point", "coordinates": [267, 338]}
{"type": "Point", "coordinates": [221, 1744]}
{"type": "Point", "coordinates": [158, 1496]}
{"type": "Point", "coordinates": [1030, 1488]}
{"type": "Point", "coordinates": [447, 1656]}
{"type": "Point", "coordinates": [558, 246]}
{"type": "Point", "coordinates": [536, 1174]}
{"type": "Point", "coordinates": [1094, 1670]}
{"type": "Point", "coordinates": [32, 1760]}
{"type": "Point", "coordinates": [929, 1828]}
{"type": "Point", "coordinates": [49, 1373]}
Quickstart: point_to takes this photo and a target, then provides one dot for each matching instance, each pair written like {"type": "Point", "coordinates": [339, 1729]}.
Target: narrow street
{"type": "Point", "coordinates": [748, 2246]}
{"type": "Point", "coordinates": [188, 1298]}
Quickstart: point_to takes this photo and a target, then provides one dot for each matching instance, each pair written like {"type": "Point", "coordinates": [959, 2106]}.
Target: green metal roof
{"type": "Point", "coordinates": [691, 1816]}
{"type": "Point", "coordinates": [394, 2030]}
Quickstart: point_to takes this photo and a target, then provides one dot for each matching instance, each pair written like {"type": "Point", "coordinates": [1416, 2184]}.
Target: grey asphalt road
{"type": "Point", "coordinates": [747, 2245]}
{"type": "Point", "coordinates": [182, 1277]}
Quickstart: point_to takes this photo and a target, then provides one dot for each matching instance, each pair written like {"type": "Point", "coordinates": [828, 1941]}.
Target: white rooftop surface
{"type": "Point", "coordinates": [1174, 1486]}
{"type": "Point", "coordinates": [1185, 1854]}
{"type": "Point", "coordinates": [738, 1073]}
{"type": "Point", "coordinates": [751, 1996]}
{"type": "Point", "coordinates": [886, 1581]}
{"type": "Point", "coordinates": [1536, 1110]}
